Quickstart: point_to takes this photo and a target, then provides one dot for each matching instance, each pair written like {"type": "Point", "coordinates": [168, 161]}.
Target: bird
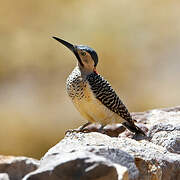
{"type": "Point", "coordinates": [92, 95]}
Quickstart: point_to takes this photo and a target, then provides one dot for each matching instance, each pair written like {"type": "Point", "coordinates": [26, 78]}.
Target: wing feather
{"type": "Point", "coordinates": [104, 93]}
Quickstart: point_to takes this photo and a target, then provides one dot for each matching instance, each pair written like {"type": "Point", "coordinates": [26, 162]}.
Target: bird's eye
{"type": "Point", "coordinates": [83, 53]}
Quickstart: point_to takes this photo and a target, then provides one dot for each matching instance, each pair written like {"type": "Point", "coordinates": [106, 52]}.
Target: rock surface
{"type": "Point", "coordinates": [97, 156]}
{"type": "Point", "coordinates": [15, 168]}
{"type": "Point", "coordinates": [4, 176]}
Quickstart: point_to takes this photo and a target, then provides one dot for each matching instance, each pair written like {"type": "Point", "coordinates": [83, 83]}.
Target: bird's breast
{"type": "Point", "coordinates": [90, 97]}
{"type": "Point", "coordinates": [75, 85]}
{"type": "Point", "coordinates": [88, 105]}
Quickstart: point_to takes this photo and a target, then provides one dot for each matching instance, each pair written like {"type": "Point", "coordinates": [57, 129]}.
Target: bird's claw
{"type": "Point", "coordinates": [76, 131]}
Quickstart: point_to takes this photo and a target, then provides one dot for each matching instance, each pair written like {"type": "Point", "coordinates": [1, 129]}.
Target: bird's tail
{"type": "Point", "coordinates": [133, 128]}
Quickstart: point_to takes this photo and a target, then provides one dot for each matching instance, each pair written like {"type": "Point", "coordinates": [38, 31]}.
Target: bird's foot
{"type": "Point", "coordinates": [102, 130]}
{"type": "Point", "coordinates": [76, 131]}
{"type": "Point", "coordinates": [81, 129]}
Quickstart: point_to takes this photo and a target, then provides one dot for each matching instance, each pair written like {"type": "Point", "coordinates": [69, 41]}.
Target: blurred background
{"type": "Point", "coordinates": [138, 43]}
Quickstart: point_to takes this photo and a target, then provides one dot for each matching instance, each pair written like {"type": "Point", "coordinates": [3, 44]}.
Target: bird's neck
{"type": "Point", "coordinates": [85, 72]}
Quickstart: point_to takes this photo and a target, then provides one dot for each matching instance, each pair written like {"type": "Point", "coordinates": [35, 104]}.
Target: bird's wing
{"type": "Point", "coordinates": [107, 96]}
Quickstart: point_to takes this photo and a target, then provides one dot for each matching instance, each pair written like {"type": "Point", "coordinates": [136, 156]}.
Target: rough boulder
{"type": "Point", "coordinates": [98, 156]}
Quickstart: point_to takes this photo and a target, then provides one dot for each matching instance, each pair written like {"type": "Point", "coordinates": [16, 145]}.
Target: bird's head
{"type": "Point", "coordinates": [86, 56]}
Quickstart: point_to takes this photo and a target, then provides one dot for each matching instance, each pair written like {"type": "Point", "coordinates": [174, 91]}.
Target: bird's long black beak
{"type": "Point", "coordinates": [65, 43]}
{"type": "Point", "coordinates": [73, 48]}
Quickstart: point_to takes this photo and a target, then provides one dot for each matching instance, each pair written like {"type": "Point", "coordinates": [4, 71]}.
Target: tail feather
{"type": "Point", "coordinates": [133, 128]}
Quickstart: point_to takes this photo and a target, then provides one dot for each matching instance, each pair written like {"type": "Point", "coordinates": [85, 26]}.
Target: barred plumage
{"type": "Point", "coordinates": [105, 94]}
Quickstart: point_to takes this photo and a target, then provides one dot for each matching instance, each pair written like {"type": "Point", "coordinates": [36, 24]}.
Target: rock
{"type": "Point", "coordinates": [142, 159]}
{"type": "Point", "coordinates": [104, 156]}
{"type": "Point", "coordinates": [112, 130]}
{"type": "Point", "coordinates": [169, 140]}
{"type": "Point", "coordinates": [77, 166]}
{"type": "Point", "coordinates": [4, 176]}
{"type": "Point", "coordinates": [15, 168]}
{"type": "Point", "coordinates": [84, 162]}
{"type": "Point", "coordinates": [93, 155]}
